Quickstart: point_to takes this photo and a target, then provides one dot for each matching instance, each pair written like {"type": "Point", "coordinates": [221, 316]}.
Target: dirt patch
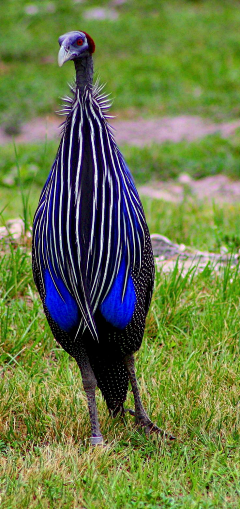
{"type": "Point", "coordinates": [218, 188]}
{"type": "Point", "coordinates": [133, 132]}
{"type": "Point", "coordinates": [145, 132]}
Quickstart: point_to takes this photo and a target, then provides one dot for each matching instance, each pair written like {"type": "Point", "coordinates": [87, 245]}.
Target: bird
{"type": "Point", "coordinates": [92, 258]}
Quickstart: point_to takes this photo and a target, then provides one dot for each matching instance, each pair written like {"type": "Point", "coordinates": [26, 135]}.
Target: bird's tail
{"type": "Point", "coordinates": [112, 379]}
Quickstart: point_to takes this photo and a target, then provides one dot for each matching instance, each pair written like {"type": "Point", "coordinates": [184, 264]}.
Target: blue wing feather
{"type": "Point", "coordinates": [61, 306]}
{"type": "Point", "coordinates": [115, 309]}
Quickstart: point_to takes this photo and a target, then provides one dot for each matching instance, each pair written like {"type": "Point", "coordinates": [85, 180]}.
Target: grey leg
{"type": "Point", "coordinates": [141, 416]}
{"type": "Point", "coordinates": [89, 384]}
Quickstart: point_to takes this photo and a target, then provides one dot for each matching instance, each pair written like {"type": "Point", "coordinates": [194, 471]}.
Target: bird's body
{"type": "Point", "coordinates": [92, 257]}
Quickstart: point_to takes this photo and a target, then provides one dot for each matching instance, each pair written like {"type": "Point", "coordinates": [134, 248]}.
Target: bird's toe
{"type": "Point", "coordinates": [150, 427]}
{"type": "Point", "coordinates": [128, 410]}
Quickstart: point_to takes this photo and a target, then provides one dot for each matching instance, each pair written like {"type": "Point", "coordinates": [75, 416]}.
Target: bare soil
{"type": "Point", "coordinates": [134, 132]}
{"type": "Point", "coordinates": [217, 188]}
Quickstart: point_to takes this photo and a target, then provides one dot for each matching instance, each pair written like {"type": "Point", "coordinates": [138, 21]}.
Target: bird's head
{"type": "Point", "coordinates": [74, 45]}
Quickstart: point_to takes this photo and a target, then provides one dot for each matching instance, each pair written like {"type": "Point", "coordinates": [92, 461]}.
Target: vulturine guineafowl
{"type": "Point", "coordinates": [92, 258]}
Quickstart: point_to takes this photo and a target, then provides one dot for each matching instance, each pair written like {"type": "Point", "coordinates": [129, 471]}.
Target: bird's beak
{"type": "Point", "coordinates": [63, 55]}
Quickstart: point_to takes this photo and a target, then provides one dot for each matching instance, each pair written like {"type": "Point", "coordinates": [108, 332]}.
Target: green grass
{"type": "Point", "coordinates": [157, 59]}
{"type": "Point", "coordinates": [205, 226]}
{"type": "Point", "coordinates": [188, 369]}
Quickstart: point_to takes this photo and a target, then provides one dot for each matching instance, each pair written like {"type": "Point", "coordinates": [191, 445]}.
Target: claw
{"type": "Point", "coordinates": [150, 427]}
{"type": "Point", "coordinates": [155, 429]}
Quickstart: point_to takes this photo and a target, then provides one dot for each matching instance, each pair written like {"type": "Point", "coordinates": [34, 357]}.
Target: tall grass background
{"type": "Point", "coordinates": [164, 58]}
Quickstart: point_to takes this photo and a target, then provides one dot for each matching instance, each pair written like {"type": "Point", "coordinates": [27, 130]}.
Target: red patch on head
{"type": "Point", "coordinates": [91, 43]}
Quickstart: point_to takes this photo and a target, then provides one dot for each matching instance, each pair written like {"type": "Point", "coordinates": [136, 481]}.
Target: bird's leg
{"type": "Point", "coordinates": [89, 384]}
{"type": "Point", "coordinates": [141, 417]}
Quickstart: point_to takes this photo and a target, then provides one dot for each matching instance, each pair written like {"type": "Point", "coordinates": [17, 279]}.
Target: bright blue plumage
{"type": "Point", "coordinates": [115, 308]}
{"type": "Point", "coordinates": [63, 308]}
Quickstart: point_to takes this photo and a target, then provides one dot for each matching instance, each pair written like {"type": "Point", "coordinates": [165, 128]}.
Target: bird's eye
{"type": "Point", "coordinates": [79, 42]}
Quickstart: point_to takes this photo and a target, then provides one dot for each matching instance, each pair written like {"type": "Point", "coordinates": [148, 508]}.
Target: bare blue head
{"type": "Point", "coordinates": [74, 45]}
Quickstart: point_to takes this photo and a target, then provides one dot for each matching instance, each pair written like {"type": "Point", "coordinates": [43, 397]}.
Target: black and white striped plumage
{"type": "Point", "coordinates": [92, 257]}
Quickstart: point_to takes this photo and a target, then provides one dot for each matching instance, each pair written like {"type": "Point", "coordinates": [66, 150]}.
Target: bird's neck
{"type": "Point", "coordinates": [84, 72]}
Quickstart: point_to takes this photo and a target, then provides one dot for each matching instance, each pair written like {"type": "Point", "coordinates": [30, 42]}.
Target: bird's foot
{"type": "Point", "coordinates": [97, 440]}
{"type": "Point", "coordinates": [150, 427]}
